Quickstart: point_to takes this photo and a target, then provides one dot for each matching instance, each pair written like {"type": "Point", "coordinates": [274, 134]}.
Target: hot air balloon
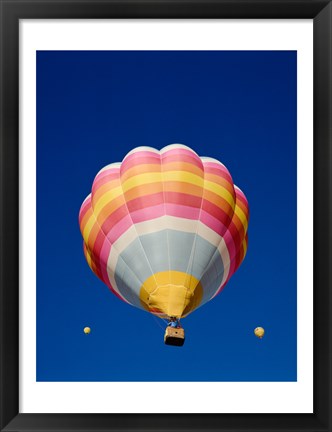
{"type": "Point", "coordinates": [259, 332]}
{"type": "Point", "coordinates": [87, 330]}
{"type": "Point", "coordinates": [165, 230]}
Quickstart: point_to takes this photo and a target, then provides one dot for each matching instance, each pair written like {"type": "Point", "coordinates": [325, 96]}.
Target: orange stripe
{"type": "Point", "coordinates": [109, 209]}
{"type": "Point", "coordinates": [183, 166]}
{"type": "Point", "coordinates": [143, 190]}
{"type": "Point", "coordinates": [183, 187]}
{"type": "Point", "coordinates": [238, 224]}
{"type": "Point", "coordinates": [85, 219]}
{"type": "Point", "coordinates": [139, 169]}
{"type": "Point", "coordinates": [219, 202]}
{"type": "Point", "coordinates": [243, 207]}
{"type": "Point", "coordinates": [155, 187]}
{"type": "Point", "coordinates": [98, 193]}
{"type": "Point", "coordinates": [168, 166]}
{"type": "Point", "coordinates": [93, 235]}
{"type": "Point", "coordinates": [221, 181]}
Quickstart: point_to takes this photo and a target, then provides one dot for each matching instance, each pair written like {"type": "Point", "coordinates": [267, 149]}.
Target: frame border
{"type": "Point", "coordinates": [11, 11]}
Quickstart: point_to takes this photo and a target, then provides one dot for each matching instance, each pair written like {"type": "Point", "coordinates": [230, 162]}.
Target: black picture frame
{"type": "Point", "coordinates": [14, 10]}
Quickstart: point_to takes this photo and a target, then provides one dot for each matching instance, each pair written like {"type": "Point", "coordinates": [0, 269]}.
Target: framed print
{"type": "Point", "coordinates": [165, 168]}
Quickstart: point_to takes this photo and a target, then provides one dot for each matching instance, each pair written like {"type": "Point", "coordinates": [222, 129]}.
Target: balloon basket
{"type": "Point", "coordinates": [174, 336]}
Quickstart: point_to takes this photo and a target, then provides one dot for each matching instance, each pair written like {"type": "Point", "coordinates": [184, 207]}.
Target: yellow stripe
{"type": "Point", "coordinates": [221, 191]}
{"type": "Point", "coordinates": [141, 179]}
{"type": "Point", "coordinates": [88, 257]}
{"type": "Point", "coordinates": [181, 176]}
{"type": "Point", "coordinates": [88, 227]}
{"type": "Point", "coordinates": [107, 198]}
{"type": "Point", "coordinates": [240, 214]}
{"type": "Point", "coordinates": [140, 168]}
{"type": "Point", "coordinates": [245, 246]}
{"type": "Point", "coordinates": [146, 178]}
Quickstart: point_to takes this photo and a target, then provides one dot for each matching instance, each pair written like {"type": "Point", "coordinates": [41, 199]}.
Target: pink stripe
{"type": "Point", "coordinates": [168, 158]}
{"type": "Point", "coordinates": [103, 259]}
{"type": "Point", "coordinates": [219, 170]}
{"type": "Point", "coordinates": [232, 249]}
{"type": "Point", "coordinates": [118, 229]}
{"type": "Point", "coordinates": [100, 181]}
{"type": "Point", "coordinates": [145, 202]}
{"type": "Point", "coordinates": [141, 155]}
{"type": "Point", "coordinates": [105, 180]}
{"type": "Point", "coordinates": [137, 163]}
{"type": "Point", "coordinates": [241, 197]}
{"type": "Point", "coordinates": [220, 229]}
{"type": "Point", "coordinates": [102, 275]}
{"type": "Point", "coordinates": [148, 213]}
{"type": "Point", "coordinates": [231, 271]}
{"type": "Point", "coordinates": [216, 225]}
{"type": "Point", "coordinates": [231, 245]}
{"type": "Point", "coordinates": [180, 151]}
{"type": "Point", "coordinates": [104, 254]}
{"type": "Point", "coordinates": [84, 208]}
{"type": "Point", "coordinates": [182, 211]}
{"type": "Point", "coordinates": [106, 172]}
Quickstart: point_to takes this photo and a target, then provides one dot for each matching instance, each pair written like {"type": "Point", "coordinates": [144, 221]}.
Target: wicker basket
{"type": "Point", "coordinates": [174, 336]}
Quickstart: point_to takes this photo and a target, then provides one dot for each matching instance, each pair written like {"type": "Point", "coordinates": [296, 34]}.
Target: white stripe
{"type": "Point", "coordinates": [112, 165]}
{"type": "Point", "coordinates": [125, 239]}
{"type": "Point", "coordinates": [111, 264]}
{"type": "Point", "coordinates": [170, 222]}
{"type": "Point", "coordinates": [167, 222]}
{"type": "Point", "coordinates": [209, 159]}
{"type": "Point", "coordinates": [177, 146]}
{"type": "Point", "coordinates": [223, 250]}
{"type": "Point", "coordinates": [240, 190]}
{"type": "Point", "coordinates": [86, 200]}
{"type": "Point", "coordinates": [141, 149]}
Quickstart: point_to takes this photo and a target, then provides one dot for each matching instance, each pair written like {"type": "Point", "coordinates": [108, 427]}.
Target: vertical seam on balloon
{"type": "Point", "coordinates": [89, 250]}
{"type": "Point", "coordinates": [116, 288]}
{"type": "Point", "coordinates": [119, 256]}
{"type": "Point", "coordinates": [168, 255]}
{"type": "Point", "coordinates": [192, 252]}
{"type": "Point", "coordinates": [197, 225]}
{"type": "Point", "coordinates": [231, 259]}
{"type": "Point", "coordinates": [98, 224]}
{"type": "Point", "coordinates": [221, 237]}
{"type": "Point", "coordinates": [108, 283]}
{"type": "Point", "coordinates": [224, 283]}
{"type": "Point", "coordinates": [112, 244]}
{"type": "Point", "coordinates": [138, 237]}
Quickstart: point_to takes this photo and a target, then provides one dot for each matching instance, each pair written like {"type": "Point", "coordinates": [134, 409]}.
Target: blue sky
{"type": "Point", "coordinates": [238, 107]}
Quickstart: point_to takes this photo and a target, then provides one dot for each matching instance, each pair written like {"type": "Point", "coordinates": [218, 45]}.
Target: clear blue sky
{"type": "Point", "coordinates": [238, 107]}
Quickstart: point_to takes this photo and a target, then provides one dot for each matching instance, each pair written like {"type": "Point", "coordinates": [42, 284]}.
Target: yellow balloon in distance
{"type": "Point", "coordinates": [259, 332]}
{"type": "Point", "coordinates": [87, 330]}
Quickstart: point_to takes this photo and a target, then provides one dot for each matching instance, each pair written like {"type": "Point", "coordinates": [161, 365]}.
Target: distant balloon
{"type": "Point", "coordinates": [87, 330]}
{"type": "Point", "coordinates": [259, 332]}
{"type": "Point", "coordinates": [165, 230]}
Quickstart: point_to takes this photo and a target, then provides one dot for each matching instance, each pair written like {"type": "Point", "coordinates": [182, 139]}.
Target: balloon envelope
{"type": "Point", "coordinates": [259, 332]}
{"type": "Point", "coordinates": [165, 230]}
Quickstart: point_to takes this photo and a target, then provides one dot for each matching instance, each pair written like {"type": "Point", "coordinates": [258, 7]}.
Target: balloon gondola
{"type": "Point", "coordinates": [165, 230]}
